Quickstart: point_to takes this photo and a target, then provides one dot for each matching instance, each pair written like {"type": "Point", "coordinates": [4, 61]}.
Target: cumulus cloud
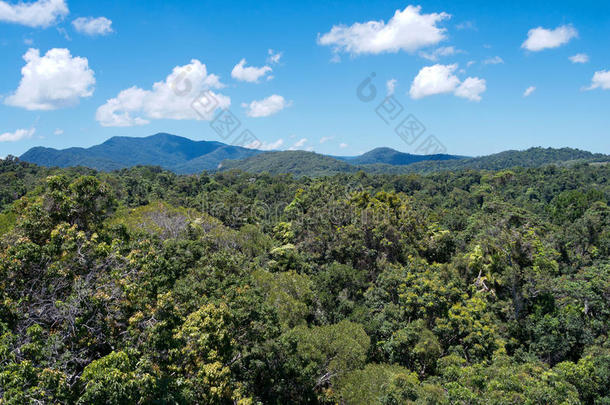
{"type": "Point", "coordinates": [343, 145]}
{"type": "Point", "coordinates": [299, 144]}
{"type": "Point", "coordinates": [93, 26]}
{"type": "Point", "coordinates": [266, 107]}
{"type": "Point", "coordinates": [529, 91]}
{"type": "Point", "coordinates": [437, 79]}
{"type": "Point", "coordinates": [273, 57]}
{"type": "Point", "coordinates": [185, 94]}
{"type": "Point", "coordinates": [408, 30]}
{"type": "Point", "coordinates": [471, 89]}
{"type": "Point", "coordinates": [440, 79]}
{"type": "Point", "coordinates": [52, 81]}
{"type": "Point", "coordinates": [496, 60]}
{"type": "Point", "coordinates": [264, 145]}
{"type": "Point", "coordinates": [17, 135]}
{"type": "Point", "coordinates": [601, 80]}
{"type": "Point", "coordinates": [58, 131]}
{"type": "Point", "coordinates": [542, 38]}
{"type": "Point", "coordinates": [250, 74]}
{"type": "Point", "coordinates": [439, 52]}
{"type": "Point", "coordinates": [579, 58]}
{"type": "Point", "coordinates": [325, 139]}
{"type": "Point", "coordinates": [466, 25]}
{"type": "Point", "coordinates": [391, 86]}
{"type": "Point", "coordinates": [41, 13]}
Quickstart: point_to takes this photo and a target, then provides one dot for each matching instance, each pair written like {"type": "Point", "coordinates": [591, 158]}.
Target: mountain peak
{"type": "Point", "coordinates": [169, 151]}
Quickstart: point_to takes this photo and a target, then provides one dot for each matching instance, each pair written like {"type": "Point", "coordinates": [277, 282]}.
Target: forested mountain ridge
{"type": "Point", "coordinates": [312, 164]}
{"type": "Point", "coordinates": [392, 157]}
{"type": "Point", "coordinates": [532, 157]}
{"type": "Point", "coordinates": [142, 286]}
{"type": "Point", "coordinates": [184, 156]}
{"type": "Point", "coordinates": [171, 152]}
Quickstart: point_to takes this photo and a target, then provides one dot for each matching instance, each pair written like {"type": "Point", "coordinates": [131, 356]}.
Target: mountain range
{"type": "Point", "coordinates": [171, 152]}
{"type": "Point", "coordinates": [185, 156]}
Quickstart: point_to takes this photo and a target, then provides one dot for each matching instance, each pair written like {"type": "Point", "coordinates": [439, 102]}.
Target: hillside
{"type": "Point", "coordinates": [533, 157]}
{"type": "Point", "coordinates": [298, 163]}
{"type": "Point", "coordinates": [315, 165]}
{"type": "Point", "coordinates": [171, 152]}
{"type": "Point", "coordinates": [393, 157]}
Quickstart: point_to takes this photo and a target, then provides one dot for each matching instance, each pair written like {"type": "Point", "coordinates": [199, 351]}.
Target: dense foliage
{"type": "Point", "coordinates": [142, 286]}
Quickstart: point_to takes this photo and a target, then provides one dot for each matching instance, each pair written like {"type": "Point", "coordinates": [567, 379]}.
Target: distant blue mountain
{"type": "Point", "coordinates": [171, 152]}
{"type": "Point", "coordinates": [392, 157]}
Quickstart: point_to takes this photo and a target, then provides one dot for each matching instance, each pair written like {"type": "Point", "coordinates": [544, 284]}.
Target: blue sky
{"type": "Point", "coordinates": [75, 73]}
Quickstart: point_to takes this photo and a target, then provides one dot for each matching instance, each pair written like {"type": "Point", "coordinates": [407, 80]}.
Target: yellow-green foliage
{"type": "Point", "coordinates": [7, 221]}
{"type": "Point", "coordinates": [377, 384]}
{"type": "Point", "coordinates": [289, 292]}
{"type": "Point", "coordinates": [162, 219]}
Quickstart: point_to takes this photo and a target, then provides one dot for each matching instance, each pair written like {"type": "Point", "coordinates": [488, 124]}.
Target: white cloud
{"type": "Point", "coordinates": [264, 145]}
{"type": "Point", "coordinates": [249, 73]}
{"type": "Point", "coordinates": [407, 30]}
{"type": "Point", "coordinates": [298, 144]}
{"type": "Point", "coordinates": [601, 79]}
{"type": "Point", "coordinates": [266, 107]}
{"type": "Point", "coordinates": [579, 58]}
{"type": "Point", "coordinates": [52, 81]}
{"type": "Point", "coordinates": [391, 86]}
{"type": "Point", "coordinates": [529, 91]}
{"type": "Point", "coordinates": [17, 135]}
{"type": "Point", "coordinates": [439, 52]}
{"type": "Point", "coordinates": [172, 98]}
{"type": "Point", "coordinates": [471, 89]}
{"type": "Point", "coordinates": [496, 60]}
{"type": "Point", "coordinates": [93, 26]}
{"type": "Point", "coordinates": [64, 33]}
{"type": "Point", "coordinates": [41, 13]}
{"type": "Point", "coordinates": [466, 25]}
{"type": "Point", "coordinates": [325, 139]}
{"type": "Point", "coordinates": [437, 79]}
{"type": "Point", "coordinates": [470, 63]}
{"type": "Point", "coordinates": [440, 79]}
{"type": "Point", "coordinates": [58, 131]}
{"type": "Point", "coordinates": [542, 38]}
{"type": "Point", "coordinates": [343, 145]}
{"type": "Point", "coordinates": [273, 57]}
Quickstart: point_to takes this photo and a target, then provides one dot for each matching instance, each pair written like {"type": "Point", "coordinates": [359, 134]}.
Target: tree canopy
{"type": "Point", "coordinates": [140, 286]}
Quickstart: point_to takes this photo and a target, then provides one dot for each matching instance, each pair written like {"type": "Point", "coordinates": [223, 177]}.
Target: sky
{"type": "Point", "coordinates": [336, 77]}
